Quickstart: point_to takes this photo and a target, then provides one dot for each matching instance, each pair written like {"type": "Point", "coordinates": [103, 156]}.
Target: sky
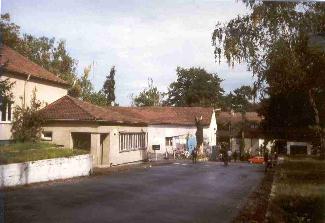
{"type": "Point", "coordinates": [142, 38]}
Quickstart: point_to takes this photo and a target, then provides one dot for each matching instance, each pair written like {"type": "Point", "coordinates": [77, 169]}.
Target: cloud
{"type": "Point", "coordinates": [142, 38]}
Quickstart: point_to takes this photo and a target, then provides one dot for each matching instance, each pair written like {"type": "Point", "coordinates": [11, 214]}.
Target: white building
{"type": "Point", "coordinates": [116, 135]}
{"type": "Point", "coordinates": [26, 77]}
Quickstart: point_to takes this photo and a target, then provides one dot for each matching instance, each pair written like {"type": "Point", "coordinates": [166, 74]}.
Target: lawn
{"type": "Point", "coordinates": [299, 191]}
{"type": "Point", "coordinates": [22, 152]}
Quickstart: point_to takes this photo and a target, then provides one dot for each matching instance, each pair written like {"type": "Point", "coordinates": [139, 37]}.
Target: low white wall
{"type": "Point", "coordinates": [45, 170]}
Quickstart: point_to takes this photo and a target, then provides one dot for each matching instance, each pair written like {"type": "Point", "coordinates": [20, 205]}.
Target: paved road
{"type": "Point", "coordinates": [205, 192]}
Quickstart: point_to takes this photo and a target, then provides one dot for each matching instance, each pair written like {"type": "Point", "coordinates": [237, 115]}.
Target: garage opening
{"type": "Point", "coordinates": [81, 140]}
{"type": "Point", "coordinates": [298, 150]}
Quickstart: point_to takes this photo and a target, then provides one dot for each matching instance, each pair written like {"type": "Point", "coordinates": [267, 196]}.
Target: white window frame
{"type": "Point", "coordinates": [132, 141]}
{"type": "Point", "coordinates": [7, 114]}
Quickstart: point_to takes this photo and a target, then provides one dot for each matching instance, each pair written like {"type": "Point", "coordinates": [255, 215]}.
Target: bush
{"type": "Point", "coordinates": [27, 122]}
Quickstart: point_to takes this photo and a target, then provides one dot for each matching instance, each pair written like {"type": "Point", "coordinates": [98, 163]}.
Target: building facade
{"type": "Point", "coordinates": [117, 135]}
{"type": "Point", "coordinates": [26, 77]}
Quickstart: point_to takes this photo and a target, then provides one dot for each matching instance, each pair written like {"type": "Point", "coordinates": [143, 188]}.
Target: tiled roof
{"type": "Point", "coordinates": [69, 108]}
{"type": "Point", "coordinates": [14, 62]}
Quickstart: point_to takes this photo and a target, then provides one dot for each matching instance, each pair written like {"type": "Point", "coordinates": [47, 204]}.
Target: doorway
{"type": "Point", "coordinates": [104, 147]}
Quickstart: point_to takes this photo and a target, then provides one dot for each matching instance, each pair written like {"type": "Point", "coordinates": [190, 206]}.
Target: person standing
{"type": "Point", "coordinates": [235, 156]}
{"type": "Point", "coordinates": [266, 160]}
{"type": "Point", "coordinates": [194, 155]}
{"type": "Point", "coordinates": [229, 153]}
{"type": "Point", "coordinates": [225, 157]}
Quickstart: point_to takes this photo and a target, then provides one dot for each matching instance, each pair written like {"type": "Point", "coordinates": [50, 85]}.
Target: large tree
{"type": "Point", "coordinates": [109, 87]}
{"type": "Point", "coordinates": [195, 87]}
{"type": "Point", "coordinates": [277, 41]}
{"type": "Point", "coordinates": [150, 96]}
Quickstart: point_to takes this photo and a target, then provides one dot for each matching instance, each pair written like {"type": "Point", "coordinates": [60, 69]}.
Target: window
{"type": "Point", "coordinates": [254, 126]}
{"type": "Point", "coordinates": [169, 141]}
{"type": "Point", "coordinates": [5, 112]}
{"type": "Point", "coordinates": [132, 141]}
{"type": "Point", "coordinates": [47, 136]}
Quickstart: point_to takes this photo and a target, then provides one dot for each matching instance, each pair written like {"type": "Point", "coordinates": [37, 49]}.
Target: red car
{"type": "Point", "coordinates": [257, 160]}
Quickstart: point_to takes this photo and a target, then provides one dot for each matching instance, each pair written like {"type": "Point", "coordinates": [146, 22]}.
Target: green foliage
{"type": "Point", "coordinates": [279, 43]}
{"type": "Point", "coordinates": [83, 89]}
{"type": "Point", "coordinates": [240, 100]}
{"type": "Point", "coordinates": [150, 96]}
{"type": "Point", "coordinates": [299, 194]}
{"type": "Point", "coordinates": [96, 98]}
{"type": "Point", "coordinates": [109, 87]}
{"type": "Point", "coordinates": [27, 122]}
{"type": "Point", "coordinates": [195, 87]}
{"type": "Point", "coordinates": [5, 91]}
{"type": "Point", "coordinates": [29, 151]}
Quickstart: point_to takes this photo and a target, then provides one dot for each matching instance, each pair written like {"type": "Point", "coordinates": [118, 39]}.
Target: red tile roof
{"type": "Point", "coordinates": [16, 63]}
{"type": "Point", "coordinates": [69, 108]}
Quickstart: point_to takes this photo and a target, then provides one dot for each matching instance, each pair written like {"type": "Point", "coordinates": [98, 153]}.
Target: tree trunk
{"type": "Point", "coordinates": [319, 130]}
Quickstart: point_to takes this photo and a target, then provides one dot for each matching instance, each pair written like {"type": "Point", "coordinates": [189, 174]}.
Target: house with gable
{"type": "Point", "coordinates": [26, 76]}
{"type": "Point", "coordinates": [117, 135]}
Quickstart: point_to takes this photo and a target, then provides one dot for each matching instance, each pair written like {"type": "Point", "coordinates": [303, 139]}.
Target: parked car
{"type": "Point", "coordinates": [256, 160]}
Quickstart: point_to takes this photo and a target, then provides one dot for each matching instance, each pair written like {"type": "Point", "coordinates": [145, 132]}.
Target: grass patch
{"type": "Point", "coordinates": [22, 152]}
{"type": "Point", "coordinates": [299, 194]}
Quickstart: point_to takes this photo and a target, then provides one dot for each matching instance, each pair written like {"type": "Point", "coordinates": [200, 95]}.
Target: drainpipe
{"type": "Point", "coordinates": [24, 101]}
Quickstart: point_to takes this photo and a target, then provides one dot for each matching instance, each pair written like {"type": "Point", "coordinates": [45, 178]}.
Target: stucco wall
{"type": "Point", "coordinates": [158, 133]}
{"type": "Point", "coordinates": [252, 145]}
{"type": "Point", "coordinates": [44, 170]}
{"type": "Point", "coordinates": [110, 153]}
{"type": "Point", "coordinates": [46, 93]}
{"type": "Point", "coordinates": [210, 132]}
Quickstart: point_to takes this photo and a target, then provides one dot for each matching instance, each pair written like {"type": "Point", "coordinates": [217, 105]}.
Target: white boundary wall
{"type": "Point", "coordinates": [45, 170]}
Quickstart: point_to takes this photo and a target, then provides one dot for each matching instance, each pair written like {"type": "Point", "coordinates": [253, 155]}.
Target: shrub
{"type": "Point", "coordinates": [27, 121]}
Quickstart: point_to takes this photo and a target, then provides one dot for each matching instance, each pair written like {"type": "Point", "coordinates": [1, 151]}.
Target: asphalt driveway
{"type": "Point", "coordinates": [205, 192]}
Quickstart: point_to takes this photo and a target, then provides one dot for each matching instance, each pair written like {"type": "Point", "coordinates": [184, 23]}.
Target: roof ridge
{"type": "Point", "coordinates": [85, 110]}
{"type": "Point", "coordinates": [22, 57]}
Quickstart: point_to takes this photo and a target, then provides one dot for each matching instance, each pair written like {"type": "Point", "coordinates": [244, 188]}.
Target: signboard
{"type": "Point", "coordinates": [155, 147]}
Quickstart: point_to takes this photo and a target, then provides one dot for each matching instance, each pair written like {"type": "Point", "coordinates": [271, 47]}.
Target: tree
{"type": "Point", "coordinates": [5, 91]}
{"type": "Point", "coordinates": [109, 87]}
{"type": "Point", "coordinates": [240, 100]}
{"type": "Point", "coordinates": [27, 121]}
{"type": "Point", "coordinates": [277, 41]}
{"type": "Point", "coordinates": [86, 91]}
{"type": "Point", "coordinates": [150, 96]}
{"type": "Point", "coordinates": [199, 134]}
{"type": "Point", "coordinates": [286, 115]}
{"type": "Point", "coordinates": [46, 52]}
{"type": "Point", "coordinates": [195, 87]}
